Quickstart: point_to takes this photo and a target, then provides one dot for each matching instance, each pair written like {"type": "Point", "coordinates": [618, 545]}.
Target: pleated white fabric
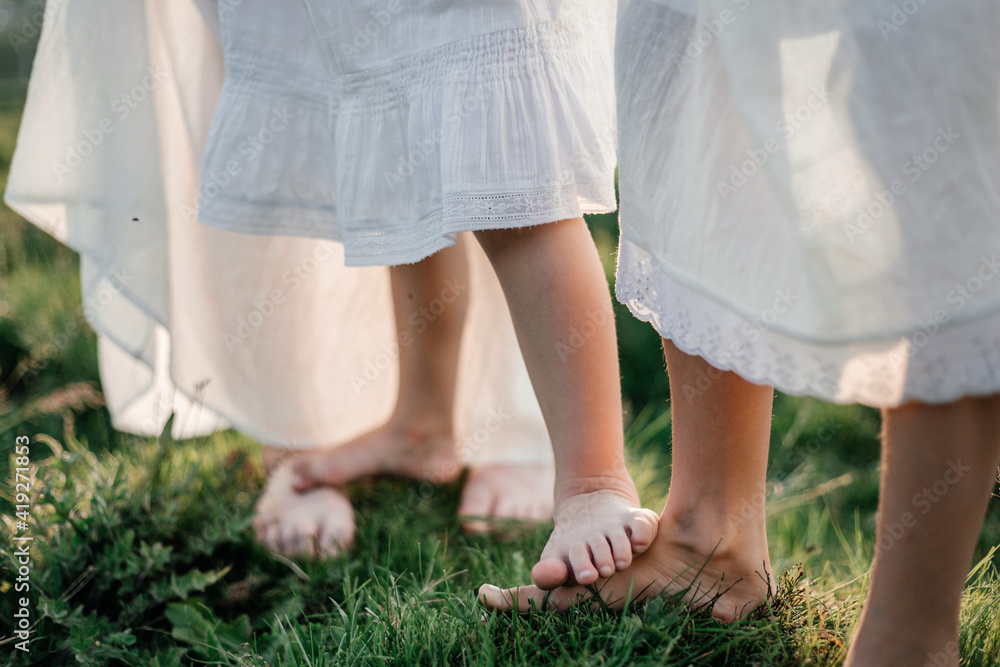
{"type": "Point", "coordinates": [269, 334]}
{"type": "Point", "coordinates": [438, 118]}
{"type": "Point", "coordinates": [810, 191]}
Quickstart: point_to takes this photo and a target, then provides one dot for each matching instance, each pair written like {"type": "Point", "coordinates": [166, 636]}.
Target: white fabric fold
{"type": "Point", "coordinates": [272, 335]}
{"type": "Point", "coordinates": [810, 191]}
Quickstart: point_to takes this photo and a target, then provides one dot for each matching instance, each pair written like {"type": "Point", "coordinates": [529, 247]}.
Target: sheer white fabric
{"type": "Point", "coordinates": [426, 121]}
{"type": "Point", "coordinates": [272, 335]}
{"type": "Point", "coordinates": [810, 191]}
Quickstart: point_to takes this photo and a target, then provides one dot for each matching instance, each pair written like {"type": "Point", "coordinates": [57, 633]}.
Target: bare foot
{"type": "Point", "coordinates": [879, 641]}
{"type": "Point", "coordinates": [319, 522]}
{"type": "Point", "coordinates": [891, 650]}
{"type": "Point", "coordinates": [413, 451]}
{"type": "Point", "coordinates": [506, 492]}
{"type": "Point", "coordinates": [735, 582]}
{"type": "Point", "coordinates": [596, 533]}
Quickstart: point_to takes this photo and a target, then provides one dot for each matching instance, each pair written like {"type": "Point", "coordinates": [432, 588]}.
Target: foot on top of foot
{"type": "Point", "coordinates": [506, 492]}
{"type": "Point", "coordinates": [732, 584]}
{"type": "Point", "coordinates": [319, 522]}
{"type": "Point", "coordinates": [596, 533]}
{"type": "Point", "coordinates": [416, 451]}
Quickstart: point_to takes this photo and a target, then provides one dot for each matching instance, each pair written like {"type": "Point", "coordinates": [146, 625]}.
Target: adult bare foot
{"type": "Point", "coordinates": [733, 581]}
{"type": "Point", "coordinates": [596, 532]}
{"type": "Point", "coordinates": [406, 448]}
{"type": "Point", "coordinates": [506, 492]}
{"type": "Point", "coordinates": [319, 522]}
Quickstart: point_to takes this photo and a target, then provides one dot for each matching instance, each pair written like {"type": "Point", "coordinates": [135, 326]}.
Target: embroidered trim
{"type": "Point", "coordinates": [961, 360]}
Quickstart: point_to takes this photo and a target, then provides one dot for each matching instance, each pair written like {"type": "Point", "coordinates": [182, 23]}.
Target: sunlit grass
{"type": "Point", "coordinates": [144, 553]}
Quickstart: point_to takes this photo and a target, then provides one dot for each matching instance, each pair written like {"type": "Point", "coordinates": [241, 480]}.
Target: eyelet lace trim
{"type": "Point", "coordinates": [475, 212]}
{"type": "Point", "coordinates": [957, 361]}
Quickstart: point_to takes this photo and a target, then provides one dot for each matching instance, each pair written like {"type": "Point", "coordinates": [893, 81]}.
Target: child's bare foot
{"type": "Point", "coordinates": [737, 581]}
{"type": "Point", "coordinates": [319, 522]}
{"type": "Point", "coordinates": [403, 448]}
{"type": "Point", "coordinates": [596, 532]}
{"type": "Point", "coordinates": [506, 492]}
{"type": "Point", "coordinates": [895, 648]}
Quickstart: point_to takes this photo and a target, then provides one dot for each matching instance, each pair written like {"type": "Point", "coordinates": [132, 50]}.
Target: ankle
{"type": "Point", "coordinates": [707, 530]}
{"type": "Point", "coordinates": [273, 457]}
{"type": "Point", "coordinates": [568, 486]}
{"type": "Point", "coordinates": [425, 428]}
{"type": "Point", "coordinates": [889, 648]}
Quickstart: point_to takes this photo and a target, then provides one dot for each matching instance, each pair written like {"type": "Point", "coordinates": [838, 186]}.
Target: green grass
{"type": "Point", "coordinates": [143, 554]}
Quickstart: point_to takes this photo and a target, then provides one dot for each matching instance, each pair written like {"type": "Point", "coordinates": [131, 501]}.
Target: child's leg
{"type": "Point", "coordinates": [555, 286]}
{"type": "Point", "coordinates": [715, 506]}
{"type": "Point", "coordinates": [299, 514]}
{"type": "Point", "coordinates": [418, 441]}
{"type": "Point", "coordinates": [938, 467]}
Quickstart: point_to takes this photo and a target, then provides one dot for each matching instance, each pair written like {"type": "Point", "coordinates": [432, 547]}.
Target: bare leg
{"type": "Point", "coordinates": [554, 284]}
{"type": "Point", "coordinates": [712, 535]}
{"type": "Point", "coordinates": [299, 513]}
{"type": "Point", "coordinates": [430, 299]}
{"type": "Point", "coordinates": [938, 467]}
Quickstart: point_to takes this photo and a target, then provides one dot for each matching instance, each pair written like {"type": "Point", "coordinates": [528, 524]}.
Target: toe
{"type": "Point", "coordinates": [582, 564]}
{"type": "Point", "coordinates": [299, 539]}
{"type": "Point", "coordinates": [528, 598]}
{"type": "Point", "coordinates": [600, 552]}
{"type": "Point", "coordinates": [641, 529]}
{"type": "Point", "coordinates": [332, 543]}
{"type": "Point", "coordinates": [337, 535]}
{"type": "Point", "coordinates": [549, 573]}
{"type": "Point", "coordinates": [621, 550]}
{"type": "Point", "coordinates": [499, 599]}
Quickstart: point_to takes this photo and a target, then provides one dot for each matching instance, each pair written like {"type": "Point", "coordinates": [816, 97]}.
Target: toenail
{"type": "Point", "coordinates": [621, 563]}
{"type": "Point", "coordinates": [605, 571]}
{"type": "Point", "coordinates": [586, 573]}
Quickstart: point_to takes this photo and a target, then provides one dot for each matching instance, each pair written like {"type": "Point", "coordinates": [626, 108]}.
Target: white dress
{"type": "Point", "coordinates": [272, 335]}
{"type": "Point", "coordinates": [810, 191]}
{"type": "Point", "coordinates": [428, 119]}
